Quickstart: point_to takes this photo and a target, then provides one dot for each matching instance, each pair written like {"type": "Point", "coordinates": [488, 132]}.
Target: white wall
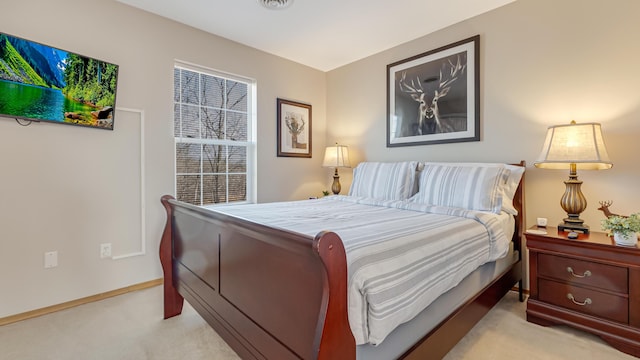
{"type": "Point", "coordinates": [70, 189]}
{"type": "Point", "coordinates": [542, 63]}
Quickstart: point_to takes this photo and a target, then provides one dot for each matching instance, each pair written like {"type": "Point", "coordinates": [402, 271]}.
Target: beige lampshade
{"type": "Point", "coordinates": [336, 156]}
{"type": "Point", "coordinates": [580, 144]}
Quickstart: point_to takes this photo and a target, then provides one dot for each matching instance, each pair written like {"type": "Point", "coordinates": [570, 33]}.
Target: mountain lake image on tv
{"type": "Point", "coordinates": [42, 83]}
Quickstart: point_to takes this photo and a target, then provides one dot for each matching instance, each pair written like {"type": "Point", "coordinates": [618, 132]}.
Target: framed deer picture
{"type": "Point", "coordinates": [434, 97]}
{"type": "Point", "coordinates": [294, 129]}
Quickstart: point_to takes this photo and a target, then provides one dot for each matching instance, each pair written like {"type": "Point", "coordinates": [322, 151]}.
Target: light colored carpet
{"type": "Point", "coordinates": [131, 327]}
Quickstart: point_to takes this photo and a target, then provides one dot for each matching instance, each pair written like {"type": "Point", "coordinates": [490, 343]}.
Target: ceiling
{"type": "Point", "coordinates": [321, 34]}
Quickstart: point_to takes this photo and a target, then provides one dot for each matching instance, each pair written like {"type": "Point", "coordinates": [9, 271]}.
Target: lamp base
{"type": "Point", "coordinates": [566, 226]}
{"type": "Point", "coordinates": [574, 203]}
{"type": "Point", "coordinates": [335, 187]}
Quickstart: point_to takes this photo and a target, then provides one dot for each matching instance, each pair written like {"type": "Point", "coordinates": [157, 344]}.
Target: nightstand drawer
{"type": "Point", "coordinates": [586, 301]}
{"type": "Point", "coordinates": [607, 277]}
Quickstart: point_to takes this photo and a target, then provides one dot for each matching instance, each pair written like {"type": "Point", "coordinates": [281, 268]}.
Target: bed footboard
{"type": "Point", "coordinates": [269, 293]}
{"type": "Point", "coordinates": [173, 301]}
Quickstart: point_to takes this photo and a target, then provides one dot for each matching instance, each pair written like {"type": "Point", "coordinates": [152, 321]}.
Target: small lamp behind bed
{"type": "Point", "coordinates": [335, 157]}
{"type": "Point", "coordinates": [574, 146]}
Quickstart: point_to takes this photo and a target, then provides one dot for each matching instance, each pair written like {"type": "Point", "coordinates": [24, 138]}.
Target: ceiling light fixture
{"type": "Point", "coordinates": [275, 4]}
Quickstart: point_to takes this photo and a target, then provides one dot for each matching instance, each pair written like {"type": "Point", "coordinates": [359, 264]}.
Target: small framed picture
{"type": "Point", "coordinates": [294, 129]}
{"type": "Point", "coordinates": [434, 97]}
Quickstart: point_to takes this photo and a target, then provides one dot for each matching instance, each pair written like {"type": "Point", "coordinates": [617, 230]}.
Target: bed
{"type": "Point", "coordinates": [274, 288]}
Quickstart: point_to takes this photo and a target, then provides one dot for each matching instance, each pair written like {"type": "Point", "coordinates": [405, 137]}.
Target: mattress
{"type": "Point", "coordinates": [400, 256]}
{"type": "Point", "coordinates": [409, 333]}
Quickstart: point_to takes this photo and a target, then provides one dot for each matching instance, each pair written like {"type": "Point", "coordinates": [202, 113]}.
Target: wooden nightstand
{"type": "Point", "coordinates": [588, 283]}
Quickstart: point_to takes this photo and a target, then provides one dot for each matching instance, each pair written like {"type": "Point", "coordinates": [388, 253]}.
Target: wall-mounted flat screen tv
{"type": "Point", "coordinates": [42, 83]}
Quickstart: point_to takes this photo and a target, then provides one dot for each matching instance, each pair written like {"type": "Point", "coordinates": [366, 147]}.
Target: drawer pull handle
{"type": "Point", "coordinates": [586, 301]}
{"type": "Point", "coordinates": [586, 273]}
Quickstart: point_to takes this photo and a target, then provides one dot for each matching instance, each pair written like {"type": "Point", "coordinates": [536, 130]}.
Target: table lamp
{"type": "Point", "coordinates": [574, 146]}
{"type": "Point", "coordinates": [335, 157]}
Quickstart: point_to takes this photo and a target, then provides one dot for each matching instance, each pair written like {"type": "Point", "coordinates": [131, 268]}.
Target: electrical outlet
{"type": "Point", "coordinates": [105, 250]}
{"type": "Point", "coordinates": [50, 259]}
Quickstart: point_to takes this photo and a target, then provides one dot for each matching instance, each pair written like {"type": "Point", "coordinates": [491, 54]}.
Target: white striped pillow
{"type": "Point", "coordinates": [467, 187]}
{"type": "Point", "coordinates": [386, 181]}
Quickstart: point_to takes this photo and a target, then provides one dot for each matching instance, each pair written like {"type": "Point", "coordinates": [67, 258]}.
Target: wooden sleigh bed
{"type": "Point", "coordinates": [276, 294]}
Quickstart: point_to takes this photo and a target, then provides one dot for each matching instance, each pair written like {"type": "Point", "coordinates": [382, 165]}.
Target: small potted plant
{"type": "Point", "coordinates": [624, 229]}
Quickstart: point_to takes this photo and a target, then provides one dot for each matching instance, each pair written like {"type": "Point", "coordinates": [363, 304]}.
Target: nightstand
{"type": "Point", "coordinates": [588, 283]}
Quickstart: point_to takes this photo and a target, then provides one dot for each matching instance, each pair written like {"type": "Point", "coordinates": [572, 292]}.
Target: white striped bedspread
{"type": "Point", "coordinates": [400, 256]}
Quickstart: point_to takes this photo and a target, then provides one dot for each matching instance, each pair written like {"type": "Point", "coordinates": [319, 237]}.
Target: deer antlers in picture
{"type": "Point", "coordinates": [429, 121]}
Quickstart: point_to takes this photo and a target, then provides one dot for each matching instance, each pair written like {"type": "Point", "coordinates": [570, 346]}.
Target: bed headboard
{"type": "Point", "coordinates": [518, 203]}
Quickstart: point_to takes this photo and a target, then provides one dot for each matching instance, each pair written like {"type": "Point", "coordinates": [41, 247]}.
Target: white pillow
{"type": "Point", "coordinates": [385, 181]}
{"type": "Point", "coordinates": [509, 188]}
{"type": "Point", "coordinates": [467, 186]}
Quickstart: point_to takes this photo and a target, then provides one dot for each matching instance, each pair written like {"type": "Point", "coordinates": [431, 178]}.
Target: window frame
{"type": "Point", "coordinates": [250, 144]}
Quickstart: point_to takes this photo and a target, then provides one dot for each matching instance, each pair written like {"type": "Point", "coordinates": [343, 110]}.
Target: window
{"type": "Point", "coordinates": [213, 129]}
